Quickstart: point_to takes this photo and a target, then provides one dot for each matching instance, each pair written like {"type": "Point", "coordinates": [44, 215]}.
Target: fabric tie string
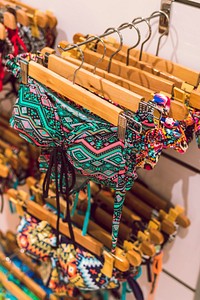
{"type": "Point", "coordinates": [58, 154]}
{"type": "Point", "coordinates": [133, 284]}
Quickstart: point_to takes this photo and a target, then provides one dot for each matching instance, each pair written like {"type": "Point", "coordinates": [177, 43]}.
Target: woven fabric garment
{"type": "Point", "coordinates": [6, 47]}
{"type": "Point", "coordinates": [192, 125]}
{"type": "Point", "coordinates": [91, 144]}
{"type": "Point", "coordinates": [17, 42]}
{"type": "Point", "coordinates": [33, 43]}
{"type": "Point", "coordinates": [2, 73]}
{"type": "Point", "coordinates": [197, 127]}
{"type": "Point", "coordinates": [38, 240]}
{"type": "Point", "coordinates": [70, 265]}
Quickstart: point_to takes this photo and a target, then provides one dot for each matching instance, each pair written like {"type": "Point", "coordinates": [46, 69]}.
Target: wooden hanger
{"type": "Point", "coordinates": [21, 15]}
{"type": "Point", "coordinates": [39, 212]}
{"type": "Point", "coordinates": [99, 195]}
{"type": "Point", "coordinates": [9, 243]}
{"type": "Point", "coordinates": [75, 93]}
{"type": "Point", "coordinates": [35, 188]}
{"type": "Point", "coordinates": [181, 90]}
{"type": "Point", "coordinates": [125, 231]}
{"type": "Point", "coordinates": [27, 281]}
{"type": "Point", "coordinates": [12, 158]}
{"type": "Point", "coordinates": [101, 86]}
{"type": "Point", "coordinates": [128, 72]}
{"type": "Point", "coordinates": [186, 74]}
{"type": "Point", "coordinates": [43, 19]}
{"type": "Point", "coordinates": [22, 4]}
{"type": "Point", "coordinates": [122, 57]}
{"type": "Point", "coordinates": [178, 110]}
{"type": "Point", "coordinates": [9, 20]}
{"type": "Point", "coordinates": [146, 212]}
{"type": "Point", "coordinates": [102, 235]}
{"type": "Point", "coordinates": [93, 229]}
{"type": "Point", "coordinates": [88, 242]}
{"type": "Point", "coordinates": [11, 139]}
{"type": "Point", "coordinates": [157, 202]}
{"type": "Point", "coordinates": [52, 20]}
{"type": "Point", "coordinates": [195, 99]}
{"type": "Point", "coordinates": [105, 219]}
{"type": "Point", "coordinates": [11, 136]}
{"type": "Point", "coordinates": [4, 170]}
{"type": "Point", "coordinates": [13, 288]}
{"type": "Point", "coordinates": [131, 86]}
{"type": "Point", "coordinates": [134, 257]}
{"type": "Point", "coordinates": [128, 217]}
{"type": "Point", "coordinates": [2, 32]}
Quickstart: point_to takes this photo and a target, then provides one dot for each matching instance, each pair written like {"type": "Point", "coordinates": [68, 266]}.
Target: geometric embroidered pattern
{"type": "Point", "coordinates": [91, 144]}
{"type": "Point", "coordinates": [75, 266]}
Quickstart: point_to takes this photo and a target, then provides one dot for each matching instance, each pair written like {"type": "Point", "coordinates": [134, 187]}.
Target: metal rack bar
{"type": "Point", "coordinates": [188, 2]}
{"type": "Point", "coordinates": [91, 39]}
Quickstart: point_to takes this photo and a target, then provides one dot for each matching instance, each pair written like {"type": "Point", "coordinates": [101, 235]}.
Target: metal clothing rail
{"type": "Point", "coordinates": [166, 7]}
{"type": "Point", "coordinates": [113, 30]}
{"type": "Point", "coordinates": [188, 2]}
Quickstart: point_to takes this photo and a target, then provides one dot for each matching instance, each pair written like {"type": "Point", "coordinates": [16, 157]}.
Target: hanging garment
{"type": "Point", "coordinates": [2, 73]}
{"type": "Point", "coordinates": [33, 43]}
{"type": "Point", "coordinates": [72, 264]}
{"type": "Point", "coordinates": [17, 42]}
{"type": "Point", "coordinates": [70, 134]}
{"type": "Point", "coordinates": [6, 47]}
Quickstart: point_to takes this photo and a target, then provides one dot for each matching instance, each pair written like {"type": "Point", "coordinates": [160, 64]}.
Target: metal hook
{"type": "Point", "coordinates": [112, 29]}
{"type": "Point", "coordinates": [131, 25]}
{"type": "Point", "coordinates": [165, 32]}
{"type": "Point", "coordinates": [148, 37]}
{"type": "Point", "coordinates": [104, 53]}
{"type": "Point", "coordinates": [81, 54]}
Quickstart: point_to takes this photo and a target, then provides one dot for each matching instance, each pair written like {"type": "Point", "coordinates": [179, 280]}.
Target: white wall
{"type": "Point", "coordinates": [172, 181]}
{"type": "Point", "coordinates": [95, 17]}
